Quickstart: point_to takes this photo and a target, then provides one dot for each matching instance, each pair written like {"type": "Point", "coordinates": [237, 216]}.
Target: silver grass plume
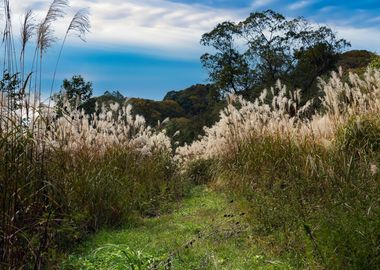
{"type": "Point", "coordinates": [27, 30]}
{"type": "Point", "coordinates": [80, 24]}
{"type": "Point", "coordinates": [7, 14]}
{"type": "Point", "coordinates": [45, 39]}
{"type": "Point", "coordinates": [45, 33]}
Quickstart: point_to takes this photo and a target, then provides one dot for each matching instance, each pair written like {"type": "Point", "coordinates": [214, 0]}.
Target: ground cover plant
{"type": "Point", "coordinates": [207, 230]}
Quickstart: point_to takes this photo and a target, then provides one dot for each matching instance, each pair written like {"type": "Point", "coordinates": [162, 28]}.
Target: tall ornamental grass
{"type": "Point", "coordinates": [277, 112]}
{"type": "Point", "coordinates": [64, 174]}
{"type": "Point", "coordinates": [311, 179]}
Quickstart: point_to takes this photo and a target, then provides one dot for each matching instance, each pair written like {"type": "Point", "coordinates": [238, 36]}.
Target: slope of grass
{"type": "Point", "coordinates": [205, 231]}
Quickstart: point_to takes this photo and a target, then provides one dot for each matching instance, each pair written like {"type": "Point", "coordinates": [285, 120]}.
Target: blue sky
{"type": "Point", "coordinates": [144, 48]}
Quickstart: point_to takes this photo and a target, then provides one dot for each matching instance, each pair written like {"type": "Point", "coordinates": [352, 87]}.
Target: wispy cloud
{"type": "Point", "coordinates": [174, 29]}
{"type": "Point", "coordinates": [157, 24]}
{"type": "Point", "coordinates": [150, 45]}
{"type": "Point", "coordinates": [361, 38]}
{"type": "Point", "coordinates": [374, 19]}
{"type": "Point", "coordinates": [261, 3]}
{"type": "Point", "coordinates": [299, 5]}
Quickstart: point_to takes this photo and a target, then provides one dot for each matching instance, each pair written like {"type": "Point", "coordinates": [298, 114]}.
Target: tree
{"type": "Point", "coordinates": [265, 47]}
{"type": "Point", "coordinates": [228, 68]}
{"type": "Point", "coordinates": [76, 91]}
{"type": "Point", "coordinates": [312, 63]}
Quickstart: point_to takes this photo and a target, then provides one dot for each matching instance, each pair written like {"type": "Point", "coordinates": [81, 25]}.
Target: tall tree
{"type": "Point", "coordinates": [265, 47]}
{"type": "Point", "coordinates": [227, 67]}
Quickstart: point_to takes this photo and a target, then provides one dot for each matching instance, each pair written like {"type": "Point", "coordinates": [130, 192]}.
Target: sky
{"type": "Point", "coordinates": [145, 48]}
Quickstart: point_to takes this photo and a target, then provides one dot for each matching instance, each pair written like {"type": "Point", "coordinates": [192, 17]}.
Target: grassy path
{"type": "Point", "coordinates": [205, 231]}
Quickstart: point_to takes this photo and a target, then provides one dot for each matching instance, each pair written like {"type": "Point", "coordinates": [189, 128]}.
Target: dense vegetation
{"type": "Point", "coordinates": [198, 106]}
{"type": "Point", "coordinates": [187, 111]}
{"type": "Point", "coordinates": [305, 174]}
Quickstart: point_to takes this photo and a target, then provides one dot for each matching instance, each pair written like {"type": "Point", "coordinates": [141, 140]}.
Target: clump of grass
{"type": "Point", "coordinates": [312, 181]}
{"type": "Point", "coordinates": [361, 134]}
{"type": "Point", "coordinates": [64, 177]}
{"type": "Point", "coordinates": [199, 171]}
{"type": "Point", "coordinates": [111, 257]}
{"type": "Point", "coordinates": [318, 205]}
{"type": "Point", "coordinates": [81, 193]}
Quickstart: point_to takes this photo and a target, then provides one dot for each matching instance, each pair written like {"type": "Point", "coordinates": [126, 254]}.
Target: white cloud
{"type": "Point", "coordinates": [166, 28]}
{"type": "Point", "coordinates": [261, 3]}
{"type": "Point", "coordinates": [159, 24]}
{"type": "Point", "coordinates": [360, 38]}
{"type": "Point", "coordinates": [299, 5]}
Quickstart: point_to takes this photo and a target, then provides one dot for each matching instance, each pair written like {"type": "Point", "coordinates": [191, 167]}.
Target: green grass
{"type": "Point", "coordinates": [198, 234]}
{"type": "Point", "coordinates": [317, 206]}
{"type": "Point", "coordinates": [52, 200]}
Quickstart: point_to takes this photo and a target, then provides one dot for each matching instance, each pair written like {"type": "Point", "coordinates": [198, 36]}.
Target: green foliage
{"type": "Point", "coordinates": [265, 47]}
{"type": "Point", "coordinates": [201, 105]}
{"type": "Point", "coordinates": [193, 100]}
{"type": "Point", "coordinates": [156, 111]}
{"type": "Point", "coordinates": [375, 63]}
{"type": "Point", "coordinates": [9, 85]}
{"type": "Point", "coordinates": [110, 257]}
{"type": "Point", "coordinates": [76, 91]}
{"type": "Point", "coordinates": [355, 60]}
{"type": "Point", "coordinates": [200, 233]}
{"type": "Point", "coordinates": [228, 68]}
{"type": "Point", "coordinates": [312, 63]}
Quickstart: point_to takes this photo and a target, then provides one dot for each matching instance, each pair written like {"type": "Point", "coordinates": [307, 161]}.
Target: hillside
{"type": "Point", "coordinates": [191, 109]}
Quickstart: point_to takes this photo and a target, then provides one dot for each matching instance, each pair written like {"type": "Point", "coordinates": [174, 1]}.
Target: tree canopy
{"type": "Point", "coordinates": [76, 91]}
{"type": "Point", "coordinates": [265, 47]}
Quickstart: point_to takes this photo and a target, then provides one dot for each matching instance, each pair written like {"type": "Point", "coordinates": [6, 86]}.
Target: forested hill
{"type": "Point", "coordinates": [189, 110]}
{"type": "Point", "coordinates": [193, 108]}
